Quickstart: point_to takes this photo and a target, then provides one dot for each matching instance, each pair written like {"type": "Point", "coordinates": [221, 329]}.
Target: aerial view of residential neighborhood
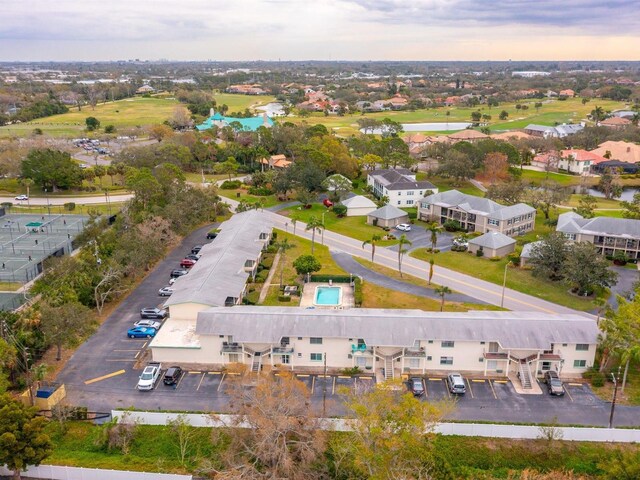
{"type": "Point", "coordinates": [342, 240]}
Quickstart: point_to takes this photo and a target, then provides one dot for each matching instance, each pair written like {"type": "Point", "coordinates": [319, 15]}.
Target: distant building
{"type": "Point", "coordinates": [492, 244]}
{"type": "Point", "coordinates": [615, 122]}
{"type": "Point", "coordinates": [145, 89]}
{"type": "Point", "coordinates": [559, 131]}
{"type": "Point", "coordinates": [529, 74]}
{"type": "Point", "coordinates": [275, 162]}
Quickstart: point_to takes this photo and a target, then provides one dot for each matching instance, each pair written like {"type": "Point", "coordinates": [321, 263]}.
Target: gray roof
{"type": "Point", "coordinates": [478, 205]}
{"type": "Point", "coordinates": [388, 212]}
{"type": "Point", "coordinates": [538, 128]}
{"type": "Point", "coordinates": [571, 222]}
{"type": "Point", "coordinates": [385, 327]}
{"type": "Point", "coordinates": [358, 201]}
{"type": "Point", "coordinates": [400, 179]}
{"type": "Point", "coordinates": [220, 273]}
{"type": "Point", "coordinates": [528, 248]}
{"type": "Point", "coordinates": [511, 211]}
{"type": "Point", "coordinates": [493, 240]}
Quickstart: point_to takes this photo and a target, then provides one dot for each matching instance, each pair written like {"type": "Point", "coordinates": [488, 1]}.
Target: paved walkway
{"type": "Point", "coordinates": [350, 265]}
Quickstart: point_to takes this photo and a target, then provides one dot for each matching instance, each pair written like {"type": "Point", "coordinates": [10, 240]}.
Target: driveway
{"type": "Point", "coordinates": [420, 238]}
{"type": "Point", "coordinates": [626, 278]}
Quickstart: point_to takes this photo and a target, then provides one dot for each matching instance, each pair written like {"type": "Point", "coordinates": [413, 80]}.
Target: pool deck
{"type": "Point", "coordinates": [309, 293]}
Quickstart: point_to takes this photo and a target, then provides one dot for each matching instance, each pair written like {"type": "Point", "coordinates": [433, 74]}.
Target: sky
{"type": "Point", "coordinates": [63, 30]}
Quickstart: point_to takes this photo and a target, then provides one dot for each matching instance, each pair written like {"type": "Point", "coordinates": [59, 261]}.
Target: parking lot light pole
{"type": "Point", "coordinates": [615, 394]}
{"type": "Point", "coordinates": [504, 285]}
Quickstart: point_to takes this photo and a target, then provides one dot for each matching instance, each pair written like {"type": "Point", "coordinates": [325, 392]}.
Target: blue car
{"type": "Point", "coordinates": [141, 332]}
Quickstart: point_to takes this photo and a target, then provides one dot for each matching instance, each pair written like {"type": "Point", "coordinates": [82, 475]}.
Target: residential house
{"type": "Point", "coordinates": [559, 131]}
{"type": "Point", "coordinates": [387, 217]}
{"type": "Point", "coordinates": [609, 235]}
{"type": "Point", "coordinates": [399, 186]}
{"type": "Point", "coordinates": [510, 136]}
{"type": "Point", "coordinates": [615, 122]}
{"type": "Point", "coordinates": [145, 89]}
{"type": "Point", "coordinates": [467, 135]}
{"type": "Point", "coordinates": [623, 167]}
{"type": "Point", "coordinates": [567, 93]}
{"type": "Point", "coordinates": [277, 162]}
{"type": "Point", "coordinates": [476, 214]}
{"type": "Point", "coordinates": [492, 244]}
{"type": "Point", "coordinates": [219, 278]}
{"type": "Point", "coordinates": [575, 161]}
{"type": "Point", "coordinates": [255, 89]}
{"type": "Point", "coordinates": [623, 151]}
{"type": "Point", "coordinates": [358, 206]}
{"type": "Point", "coordinates": [385, 342]}
{"type": "Point", "coordinates": [527, 249]}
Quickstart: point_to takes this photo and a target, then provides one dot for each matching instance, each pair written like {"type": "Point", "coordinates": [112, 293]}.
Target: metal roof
{"type": "Point", "coordinates": [493, 240]}
{"type": "Point", "coordinates": [571, 222]}
{"type": "Point", "coordinates": [386, 327]}
{"type": "Point", "coordinates": [358, 201]}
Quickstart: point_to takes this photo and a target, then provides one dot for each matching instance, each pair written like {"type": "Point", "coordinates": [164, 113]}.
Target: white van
{"type": "Point", "coordinates": [455, 383]}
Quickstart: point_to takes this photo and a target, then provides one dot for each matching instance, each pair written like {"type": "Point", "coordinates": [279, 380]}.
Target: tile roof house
{"type": "Point", "coordinates": [609, 235]}
{"type": "Point", "coordinates": [275, 161]}
{"type": "Point", "coordinates": [575, 160]}
{"type": "Point", "coordinates": [506, 136]}
{"type": "Point", "coordinates": [477, 214]}
{"type": "Point", "coordinates": [492, 244]}
{"type": "Point", "coordinates": [567, 93]}
{"type": "Point", "coordinates": [615, 122]}
{"type": "Point", "coordinates": [399, 185]}
{"type": "Point", "coordinates": [467, 135]}
{"type": "Point", "coordinates": [623, 151]}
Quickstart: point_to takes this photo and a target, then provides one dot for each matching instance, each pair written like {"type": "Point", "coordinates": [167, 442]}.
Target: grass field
{"type": "Point", "coordinates": [131, 112]}
{"type": "Point", "coordinates": [237, 103]}
{"type": "Point", "coordinates": [551, 112]}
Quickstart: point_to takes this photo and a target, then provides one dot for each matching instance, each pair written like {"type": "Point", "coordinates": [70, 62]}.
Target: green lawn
{"type": "Point", "coordinates": [354, 227]}
{"type": "Point", "coordinates": [517, 279]}
{"type": "Point", "coordinates": [239, 194]}
{"type": "Point", "coordinates": [237, 103]}
{"type": "Point", "coordinates": [102, 208]}
{"type": "Point", "coordinates": [130, 112]}
{"type": "Point", "coordinates": [537, 177]}
{"type": "Point", "coordinates": [445, 184]}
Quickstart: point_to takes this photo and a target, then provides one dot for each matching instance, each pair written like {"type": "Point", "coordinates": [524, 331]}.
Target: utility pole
{"type": "Point", "coordinates": [615, 395]}
{"type": "Point", "coordinates": [504, 285]}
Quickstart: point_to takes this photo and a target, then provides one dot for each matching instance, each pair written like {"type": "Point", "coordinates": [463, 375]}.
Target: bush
{"type": "Point", "coordinates": [413, 215]}
{"type": "Point", "coordinates": [620, 259]}
{"type": "Point", "coordinates": [495, 259]}
{"type": "Point", "coordinates": [272, 249]}
{"type": "Point", "coordinates": [231, 184]}
{"type": "Point", "coordinates": [479, 252]}
{"type": "Point", "coordinates": [452, 226]}
{"type": "Point", "coordinates": [262, 276]}
{"type": "Point", "coordinates": [351, 371]}
{"type": "Point", "coordinates": [259, 191]}
{"type": "Point", "coordinates": [358, 296]}
{"type": "Point", "coordinates": [284, 298]}
{"type": "Point", "coordinates": [340, 210]}
{"type": "Point", "coordinates": [252, 298]}
{"type": "Point", "coordinates": [514, 258]}
{"type": "Point", "coordinates": [70, 206]}
{"type": "Point", "coordinates": [598, 380]}
{"type": "Point", "coordinates": [267, 261]}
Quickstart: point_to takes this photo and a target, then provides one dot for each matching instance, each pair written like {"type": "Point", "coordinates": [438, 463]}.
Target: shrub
{"type": "Point", "coordinates": [272, 249]}
{"type": "Point", "coordinates": [306, 264]}
{"type": "Point", "coordinates": [358, 296]}
{"type": "Point", "coordinates": [70, 206]}
{"type": "Point", "coordinates": [514, 258]}
{"type": "Point", "coordinates": [252, 298]}
{"type": "Point", "coordinates": [262, 276]}
{"type": "Point", "coordinates": [231, 184]}
{"type": "Point", "coordinates": [620, 258]}
{"type": "Point", "coordinates": [284, 298]}
{"type": "Point", "coordinates": [598, 379]}
{"type": "Point", "coordinates": [340, 210]}
{"type": "Point", "coordinates": [495, 259]}
{"type": "Point", "coordinates": [260, 191]}
{"type": "Point", "coordinates": [413, 215]}
{"type": "Point", "coordinates": [437, 250]}
{"type": "Point", "coordinates": [452, 226]}
{"type": "Point", "coordinates": [351, 371]}
{"type": "Point", "coordinates": [267, 261]}
{"type": "Point", "coordinates": [479, 252]}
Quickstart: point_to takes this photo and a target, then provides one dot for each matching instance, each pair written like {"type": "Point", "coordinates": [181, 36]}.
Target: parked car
{"type": "Point", "coordinates": [172, 280]}
{"type": "Point", "coordinates": [456, 385]}
{"type": "Point", "coordinates": [153, 313]}
{"type": "Point", "coordinates": [327, 203]}
{"type": "Point", "coordinates": [460, 242]}
{"type": "Point", "coordinates": [141, 332]}
{"type": "Point", "coordinates": [196, 249]}
{"type": "Point", "coordinates": [148, 323]}
{"type": "Point", "coordinates": [187, 262]}
{"type": "Point", "coordinates": [417, 387]}
{"type": "Point", "coordinates": [403, 227]}
{"type": "Point", "coordinates": [172, 377]}
{"type": "Point", "coordinates": [212, 234]}
{"type": "Point", "coordinates": [554, 384]}
{"type": "Point", "coordinates": [22, 197]}
{"type": "Point", "coordinates": [165, 291]}
{"type": "Point", "coordinates": [193, 256]}
{"type": "Point", "coordinates": [178, 272]}
{"type": "Point", "coordinates": [149, 376]}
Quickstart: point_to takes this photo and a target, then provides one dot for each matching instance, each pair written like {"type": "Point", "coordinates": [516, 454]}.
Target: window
{"type": "Point", "coordinates": [409, 202]}
{"type": "Point", "coordinates": [316, 357]}
{"type": "Point", "coordinates": [399, 202]}
{"type": "Point", "coordinates": [361, 361]}
{"type": "Point", "coordinates": [315, 340]}
{"type": "Point", "coordinates": [414, 363]}
{"type": "Point", "coordinates": [410, 192]}
{"type": "Point", "coordinates": [493, 222]}
{"type": "Point", "coordinates": [582, 347]}
{"type": "Point", "coordinates": [546, 366]}
{"type": "Point", "coordinates": [429, 358]}
{"type": "Point", "coordinates": [447, 344]}
{"type": "Point", "coordinates": [579, 363]}
{"type": "Point", "coordinates": [446, 360]}
{"type": "Point", "coordinates": [430, 341]}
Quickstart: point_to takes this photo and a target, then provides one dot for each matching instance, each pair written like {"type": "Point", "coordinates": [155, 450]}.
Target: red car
{"type": "Point", "coordinates": [187, 262]}
{"type": "Point", "coordinates": [327, 203]}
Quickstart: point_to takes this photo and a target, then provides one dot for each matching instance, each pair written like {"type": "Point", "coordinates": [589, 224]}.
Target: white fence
{"type": "Point", "coordinates": [581, 434]}
{"type": "Point", "coordinates": [72, 473]}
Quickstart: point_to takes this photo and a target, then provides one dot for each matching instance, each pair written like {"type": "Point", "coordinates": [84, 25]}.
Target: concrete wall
{"type": "Point", "coordinates": [359, 211]}
{"type": "Point", "coordinates": [54, 472]}
{"type": "Point", "coordinates": [490, 252]}
{"type": "Point", "coordinates": [187, 311]}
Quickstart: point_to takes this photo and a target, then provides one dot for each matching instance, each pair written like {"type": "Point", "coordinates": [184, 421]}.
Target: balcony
{"type": "Point", "coordinates": [361, 349]}
{"type": "Point", "coordinates": [282, 350]}
{"type": "Point", "coordinates": [231, 347]}
{"type": "Point", "coordinates": [550, 357]}
{"type": "Point", "coordinates": [495, 355]}
{"type": "Point", "coordinates": [415, 352]}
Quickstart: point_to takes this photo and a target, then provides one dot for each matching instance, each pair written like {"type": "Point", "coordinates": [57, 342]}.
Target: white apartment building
{"type": "Point", "coordinates": [382, 341]}
{"type": "Point", "coordinates": [399, 186]}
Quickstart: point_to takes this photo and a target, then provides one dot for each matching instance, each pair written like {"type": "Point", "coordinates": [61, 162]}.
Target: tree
{"type": "Point", "coordinates": [402, 241]}
{"type": "Point", "coordinates": [503, 115]}
{"type": "Point", "coordinates": [390, 435]}
{"type": "Point", "coordinates": [23, 440]}
{"type": "Point", "coordinates": [456, 165]}
{"type": "Point", "coordinates": [370, 161]}
{"type": "Point", "coordinates": [229, 166]}
{"type": "Point", "coordinates": [27, 182]}
{"type": "Point", "coordinates": [587, 270]}
{"type": "Point", "coordinates": [99, 172]}
{"type": "Point", "coordinates": [338, 185]}
{"type": "Point", "coordinates": [305, 264]}
{"type": "Point", "coordinates": [373, 241]}
{"type": "Point", "coordinates": [431, 262]}
{"type": "Point", "coordinates": [609, 183]}
{"type": "Point", "coordinates": [180, 118]}
{"type": "Point", "coordinates": [433, 229]}
{"type": "Point", "coordinates": [283, 246]}
{"type": "Point", "coordinates": [160, 132]}
{"type": "Point", "coordinates": [546, 196]}
{"type": "Point", "coordinates": [476, 116]}
{"type": "Point", "coordinates": [109, 284]}
{"type": "Point", "coordinates": [538, 106]}
{"type": "Point", "coordinates": [549, 255]}
{"type": "Point", "coordinates": [496, 167]}
{"type": "Point", "coordinates": [284, 438]}
{"type": "Point", "coordinates": [65, 324]}
{"type": "Point", "coordinates": [184, 434]}
{"type": "Point", "coordinates": [92, 123]}
{"type": "Point", "coordinates": [586, 206]}
{"type": "Point", "coordinates": [314, 224]}
{"type": "Point", "coordinates": [442, 291]}
{"type": "Point", "coordinates": [52, 169]}
{"type": "Point", "coordinates": [631, 209]}
{"type": "Point", "coordinates": [597, 114]}
{"type": "Point", "coordinates": [109, 129]}
{"type": "Point", "coordinates": [510, 193]}
{"type": "Point", "coordinates": [368, 125]}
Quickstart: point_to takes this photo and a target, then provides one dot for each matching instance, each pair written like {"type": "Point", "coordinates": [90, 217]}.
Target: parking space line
{"type": "Point", "coordinates": [446, 387]}
{"type": "Point", "coordinates": [120, 360]}
{"type": "Point", "coordinates": [180, 379]}
{"type": "Point", "coordinates": [344, 376]}
{"type": "Point", "coordinates": [104, 377]}
{"type": "Point", "coordinates": [333, 388]}
{"type": "Point", "coordinates": [221, 380]}
{"type": "Point", "coordinates": [493, 390]}
{"type": "Point", "coordinates": [137, 354]}
{"type": "Point", "coordinates": [194, 371]}
{"type": "Point", "coordinates": [201, 379]}
{"type": "Point", "coordinates": [435, 379]}
{"type": "Point", "coordinates": [501, 381]}
{"type": "Point", "coordinates": [567, 392]}
{"type": "Point", "coordinates": [313, 384]}
{"type": "Point", "coordinates": [144, 344]}
{"type": "Point", "coordinates": [214, 373]}
{"type": "Point", "coordinates": [477, 381]}
{"type": "Point", "coordinates": [302, 376]}
{"type": "Point", "coordinates": [365, 378]}
{"type": "Point", "coordinates": [470, 390]}
{"type": "Point", "coordinates": [122, 350]}
{"type": "Point", "coordinates": [575, 384]}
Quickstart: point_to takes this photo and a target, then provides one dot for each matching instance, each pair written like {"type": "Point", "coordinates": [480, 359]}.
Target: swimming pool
{"type": "Point", "coordinates": [328, 296]}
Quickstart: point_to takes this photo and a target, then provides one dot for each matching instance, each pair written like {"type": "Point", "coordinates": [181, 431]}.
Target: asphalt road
{"type": "Point", "coordinates": [78, 200]}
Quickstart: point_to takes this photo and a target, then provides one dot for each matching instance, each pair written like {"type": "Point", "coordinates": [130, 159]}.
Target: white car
{"type": "Point", "coordinates": [403, 227]}
{"type": "Point", "coordinates": [460, 242]}
{"type": "Point", "coordinates": [149, 376]}
{"type": "Point", "coordinates": [22, 197]}
{"type": "Point", "coordinates": [165, 291]}
{"type": "Point", "coordinates": [148, 323]}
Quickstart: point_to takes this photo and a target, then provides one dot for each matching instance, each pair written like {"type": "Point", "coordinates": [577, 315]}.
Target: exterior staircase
{"type": "Point", "coordinates": [388, 368]}
{"type": "Point", "coordinates": [525, 375]}
{"type": "Point", "coordinates": [256, 364]}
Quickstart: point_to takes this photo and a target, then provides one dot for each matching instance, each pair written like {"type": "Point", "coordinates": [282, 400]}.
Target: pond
{"type": "Point", "coordinates": [429, 127]}
{"type": "Point", "coordinates": [627, 193]}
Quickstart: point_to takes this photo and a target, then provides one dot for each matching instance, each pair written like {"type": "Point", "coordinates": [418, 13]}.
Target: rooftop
{"type": "Point", "coordinates": [571, 222]}
{"type": "Point", "coordinates": [493, 240]}
{"type": "Point", "coordinates": [477, 205]}
{"type": "Point", "coordinates": [400, 179]}
{"type": "Point", "coordinates": [388, 212]}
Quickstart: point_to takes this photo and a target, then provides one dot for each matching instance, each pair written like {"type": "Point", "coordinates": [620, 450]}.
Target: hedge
{"type": "Point", "coordinates": [333, 278]}
{"type": "Point", "coordinates": [231, 184]}
{"type": "Point", "coordinates": [267, 261]}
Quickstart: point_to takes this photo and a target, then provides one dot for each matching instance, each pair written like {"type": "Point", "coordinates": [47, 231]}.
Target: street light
{"type": "Point", "coordinates": [615, 395]}
{"type": "Point", "coordinates": [504, 285]}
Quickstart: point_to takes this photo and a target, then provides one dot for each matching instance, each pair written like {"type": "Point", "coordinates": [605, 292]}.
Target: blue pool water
{"type": "Point", "coordinates": [327, 296]}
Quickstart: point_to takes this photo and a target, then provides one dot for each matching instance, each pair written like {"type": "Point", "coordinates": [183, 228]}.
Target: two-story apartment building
{"type": "Point", "coordinates": [609, 235]}
{"type": "Point", "coordinates": [399, 186]}
{"type": "Point", "coordinates": [476, 214]}
{"type": "Point", "coordinates": [387, 342]}
{"type": "Point", "coordinates": [219, 278]}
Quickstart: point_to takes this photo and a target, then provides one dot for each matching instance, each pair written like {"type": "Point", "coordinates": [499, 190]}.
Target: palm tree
{"type": "Point", "coordinates": [431, 262]}
{"type": "Point", "coordinates": [434, 228]}
{"type": "Point", "coordinates": [442, 291]}
{"type": "Point", "coordinates": [372, 241]}
{"type": "Point", "coordinates": [597, 114]}
{"type": "Point", "coordinates": [314, 224]}
{"type": "Point", "coordinates": [283, 246]}
{"type": "Point", "coordinates": [27, 182]}
{"type": "Point", "coordinates": [402, 241]}
{"type": "Point", "coordinates": [294, 220]}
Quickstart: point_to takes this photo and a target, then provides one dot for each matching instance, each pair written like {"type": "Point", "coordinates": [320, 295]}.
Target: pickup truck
{"type": "Point", "coordinates": [149, 376]}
